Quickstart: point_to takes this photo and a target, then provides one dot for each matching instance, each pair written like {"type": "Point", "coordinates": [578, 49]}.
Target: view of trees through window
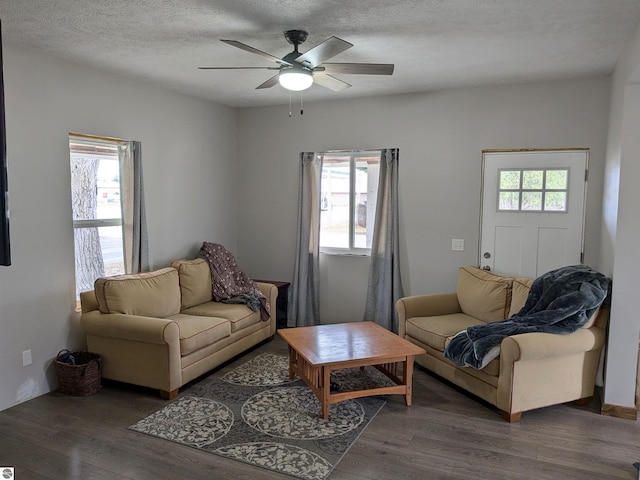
{"type": "Point", "coordinates": [533, 190]}
{"type": "Point", "coordinates": [349, 189]}
{"type": "Point", "coordinates": [97, 210]}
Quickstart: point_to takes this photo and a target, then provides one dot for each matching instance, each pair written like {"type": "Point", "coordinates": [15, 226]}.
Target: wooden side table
{"type": "Point", "coordinates": [281, 302]}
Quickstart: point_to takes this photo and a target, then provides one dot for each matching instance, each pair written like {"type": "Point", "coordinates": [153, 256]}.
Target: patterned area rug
{"type": "Point", "coordinates": [256, 415]}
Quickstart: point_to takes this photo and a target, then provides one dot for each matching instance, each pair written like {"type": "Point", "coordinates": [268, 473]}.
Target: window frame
{"type": "Point", "coordinates": [353, 155]}
{"type": "Point", "coordinates": [104, 148]}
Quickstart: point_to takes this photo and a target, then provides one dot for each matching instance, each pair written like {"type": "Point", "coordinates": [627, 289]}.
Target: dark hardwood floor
{"type": "Point", "coordinates": [444, 435]}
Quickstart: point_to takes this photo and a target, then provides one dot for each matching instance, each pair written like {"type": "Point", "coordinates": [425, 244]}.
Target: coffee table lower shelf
{"type": "Point", "coordinates": [318, 378]}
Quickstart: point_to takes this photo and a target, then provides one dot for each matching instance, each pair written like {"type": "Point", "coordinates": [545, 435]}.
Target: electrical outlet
{"type": "Point", "coordinates": [26, 358]}
{"type": "Point", "coordinates": [457, 244]}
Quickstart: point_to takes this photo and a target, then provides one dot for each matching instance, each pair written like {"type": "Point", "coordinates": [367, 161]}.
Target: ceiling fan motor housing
{"type": "Point", "coordinates": [295, 37]}
{"type": "Point", "coordinates": [291, 58]}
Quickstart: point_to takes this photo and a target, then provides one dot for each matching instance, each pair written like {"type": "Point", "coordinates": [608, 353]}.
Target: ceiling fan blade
{"type": "Point", "coordinates": [359, 68]}
{"type": "Point", "coordinates": [323, 51]}
{"type": "Point", "coordinates": [332, 83]}
{"type": "Point", "coordinates": [239, 68]}
{"type": "Point", "coordinates": [247, 48]}
{"type": "Point", "coordinates": [269, 83]}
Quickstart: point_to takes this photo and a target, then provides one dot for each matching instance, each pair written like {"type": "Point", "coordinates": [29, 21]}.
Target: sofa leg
{"type": "Point", "coordinates": [169, 395]}
{"type": "Point", "coordinates": [511, 417]}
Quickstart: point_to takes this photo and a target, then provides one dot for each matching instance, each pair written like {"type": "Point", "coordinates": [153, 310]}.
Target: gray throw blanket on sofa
{"type": "Point", "coordinates": [229, 284]}
{"type": "Point", "coordinates": [560, 301]}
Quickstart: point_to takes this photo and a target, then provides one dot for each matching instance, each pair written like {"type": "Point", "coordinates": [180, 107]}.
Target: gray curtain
{"type": "Point", "coordinates": [384, 286]}
{"type": "Point", "coordinates": [136, 250]}
{"type": "Point", "coordinates": [304, 309]}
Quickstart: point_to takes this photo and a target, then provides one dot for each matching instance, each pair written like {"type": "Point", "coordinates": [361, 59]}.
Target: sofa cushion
{"type": "Point", "coordinates": [239, 315]}
{"type": "Point", "coordinates": [483, 295]}
{"type": "Point", "coordinates": [195, 281]}
{"type": "Point", "coordinates": [519, 294]}
{"type": "Point", "coordinates": [198, 332]}
{"type": "Point", "coordinates": [488, 374]}
{"type": "Point", "coordinates": [434, 331]}
{"type": "Point", "coordinates": [149, 294]}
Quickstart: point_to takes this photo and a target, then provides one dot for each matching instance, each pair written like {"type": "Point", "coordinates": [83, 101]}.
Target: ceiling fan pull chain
{"type": "Point", "coordinates": [301, 104]}
{"type": "Point", "coordinates": [289, 103]}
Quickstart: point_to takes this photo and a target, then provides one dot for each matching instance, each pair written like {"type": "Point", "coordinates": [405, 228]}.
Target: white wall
{"type": "Point", "coordinates": [621, 226]}
{"type": "Point", "coordinates": [441, 136]}
{"type": "Point", "coordinates": [189, 150]}
{"type": "Point", "coordinates": [198, 155]}
{"type": "Point", "coordinates": [625, 72]}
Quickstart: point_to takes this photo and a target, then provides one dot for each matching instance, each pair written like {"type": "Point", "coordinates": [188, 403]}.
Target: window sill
{"type": "Point", "coordinates": [338, 253]}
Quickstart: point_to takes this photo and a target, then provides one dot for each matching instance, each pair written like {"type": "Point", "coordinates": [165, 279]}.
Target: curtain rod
{"type": "Point", "coordinates": [96, 137]}
{"type": "Point", "coordinates": [533, 150]}
{"type": "Point", "coordinates": [353, 150]}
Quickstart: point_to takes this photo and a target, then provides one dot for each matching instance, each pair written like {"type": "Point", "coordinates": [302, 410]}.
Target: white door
{"type": "Point", "coordinates": [532, 214]}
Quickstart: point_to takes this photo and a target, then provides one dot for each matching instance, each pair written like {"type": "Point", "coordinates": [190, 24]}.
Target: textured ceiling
{"type": "Point", "coordinates": [434, 44]}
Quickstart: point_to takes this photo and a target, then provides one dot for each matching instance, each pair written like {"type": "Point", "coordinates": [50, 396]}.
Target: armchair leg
{"type": "Point", "coordinates": [511, 417]}
{"type": "Point", "coordinates": [169, 395]}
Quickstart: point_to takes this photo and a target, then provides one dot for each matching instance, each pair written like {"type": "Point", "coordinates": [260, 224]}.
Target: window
{"type": "Point", "coordinates": [533, 190]}
{"type": "Point", "coordinates": [97, 209]}
{"type": "Point", "coordinates": [349, 189]}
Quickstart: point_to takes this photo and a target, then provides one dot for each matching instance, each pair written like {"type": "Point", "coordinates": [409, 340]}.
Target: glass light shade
{"type": "Point", "coordinates": [295, 80]}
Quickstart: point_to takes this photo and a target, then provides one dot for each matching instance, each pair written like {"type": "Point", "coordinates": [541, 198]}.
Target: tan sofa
{"type": "Point", "coordinates": [162, 329]}
{"type": "Point", "coordinates": [533, 370]}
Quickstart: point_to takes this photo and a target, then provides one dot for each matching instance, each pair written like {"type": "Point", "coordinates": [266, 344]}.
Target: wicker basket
{"type": "Point", "coordinates": [81, 378]}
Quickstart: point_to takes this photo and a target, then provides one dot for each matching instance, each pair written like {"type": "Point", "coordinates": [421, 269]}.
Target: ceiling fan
{"type": "Point", "coordinates": [298, 71]}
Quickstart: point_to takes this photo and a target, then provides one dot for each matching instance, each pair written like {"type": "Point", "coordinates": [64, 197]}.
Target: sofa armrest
{"type": "Point", "coordinates": [135, 349]}
{"type": "Point", "coordinates": [542, 369]}
{"type": "Point", "coordinates": [425, 306]}
{"type": "Point", "coordinates": [535, 346]}
{"type": "Point", "coordinates": [88, 301]}
{"type": "Point", "coordinates": [428, 305]}
{"type": "Point", "coordinates": [270, 291]}
{"type": "Point", "coordinates": [131, 327]}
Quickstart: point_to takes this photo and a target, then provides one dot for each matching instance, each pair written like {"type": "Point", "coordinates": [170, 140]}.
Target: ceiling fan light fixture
{"type": "Point", "coordinates": [295, 79]}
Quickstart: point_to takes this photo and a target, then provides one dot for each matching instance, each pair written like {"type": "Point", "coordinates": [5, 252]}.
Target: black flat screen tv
{"type": "Point", "coordinates": [5, 250]}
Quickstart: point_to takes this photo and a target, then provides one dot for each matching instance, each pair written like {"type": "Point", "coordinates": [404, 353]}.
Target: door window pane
{"type": "Point", "coordinates": [555, 201]}
{"type": "Point", "coordinates": [509, 201]}
{"type": "Point", "coordinates": [532, 179]}
{"type": "Point", "coordinates": [557, 179]}
{"type": "Point", "coordinates": [509, 179]}
{"type": "Point", "coordinates": [531, 200]}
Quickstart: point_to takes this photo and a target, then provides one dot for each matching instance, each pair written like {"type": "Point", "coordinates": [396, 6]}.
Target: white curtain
{"type": "Point", "coordinates": [136, 251]}
{"type": "Point", "coordinates": [304, 309]}
{"type": "Point", "coordinates": [385, 286]}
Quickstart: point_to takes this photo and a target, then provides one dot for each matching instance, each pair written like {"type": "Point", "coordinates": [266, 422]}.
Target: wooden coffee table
{"type": "Point", "coordinates": [315, 351]}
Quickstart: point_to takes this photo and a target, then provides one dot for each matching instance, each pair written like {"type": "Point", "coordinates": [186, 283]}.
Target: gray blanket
{"type": "Point", "coordinates": [560, 301]}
